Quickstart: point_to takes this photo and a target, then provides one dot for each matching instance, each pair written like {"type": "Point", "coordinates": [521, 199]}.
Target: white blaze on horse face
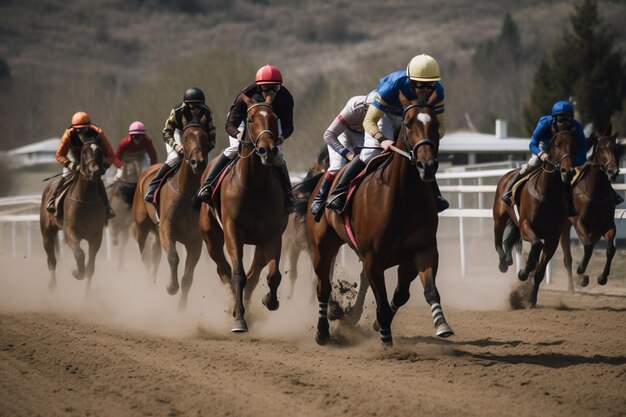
{"type": "Point", "coordinates": [424, 118]}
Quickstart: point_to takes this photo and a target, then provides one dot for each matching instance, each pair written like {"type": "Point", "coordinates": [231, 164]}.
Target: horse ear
{"type": "Point", "coordinates": [607, 131]}
{"type": "Point", "coordinates": [591, 140]}
{"type": "Point", "coordinates": [249, 102]}
{"type": "Point", "coordinates": [270, 97]}
{"type": "Point", "coordinates": [434, 97]}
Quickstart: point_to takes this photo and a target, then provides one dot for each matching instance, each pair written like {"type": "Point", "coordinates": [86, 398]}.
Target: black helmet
{"type": "Point", "coordinates": [194, 95]}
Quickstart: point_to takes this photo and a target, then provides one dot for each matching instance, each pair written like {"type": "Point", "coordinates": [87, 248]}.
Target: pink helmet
{"type": "Point", "coordinates": [137, 128]}
{"type": "Point", "coordinates": [268, 74]}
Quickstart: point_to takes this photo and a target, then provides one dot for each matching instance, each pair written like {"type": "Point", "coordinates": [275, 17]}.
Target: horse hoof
{"type": "Point", "coordinates": [321, 338]}
{"type": "Point", "coordinates": [602, 279]}
{"type": "Point", "coordinates": [267, 302]}
{"type": "Point", "coordinates": [584, 281]}
{"type": "Point", "coordinates": [443, 330]}
{"type": "Point", "coordinates": [580, 270]}
{"type": "Point", "coordinates": [77, 275]}
{"type": "Point", "coordinates": [387, 344]}
{"type": "Point", "coordinates": [239, 326]}
{"type": "Point", "coordinates": [172, 289]}
{"type": "Point", "coordinates": [522, 276]}
{"type": "Point", "coordinates": [503, 267]}
{"type": "Point", "coordinates": [335, 312]}
{"type": "Point", "coordinates": [376, 326]}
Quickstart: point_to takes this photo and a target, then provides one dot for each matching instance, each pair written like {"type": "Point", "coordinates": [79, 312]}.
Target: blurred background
{"type": "Point", "coordinates": [126, 60]}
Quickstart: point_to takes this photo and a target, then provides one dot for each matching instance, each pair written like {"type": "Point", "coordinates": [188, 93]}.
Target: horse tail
{"type": "Point", "coordinates": [304, 190]}
{"type": "Point", "coordinates": [512, 237]}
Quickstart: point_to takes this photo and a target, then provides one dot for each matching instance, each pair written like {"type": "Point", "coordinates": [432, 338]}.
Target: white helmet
{"type": "Point", "coordinates": [423, 68]}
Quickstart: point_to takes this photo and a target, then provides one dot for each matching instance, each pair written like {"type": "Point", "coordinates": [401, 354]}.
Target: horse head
{"type": "Point", "coordinates": [195, 142]}
{"type": "Point", "coordinates": [419, 138]}
{"type": "Point", "coordinates": [562, 154]}
{"type": "Point", "coordinates": [606, 152]}
{"type": "Point", "coordinates": [262, 129]}
{"type": "Point", "coordinates": [91, 161]}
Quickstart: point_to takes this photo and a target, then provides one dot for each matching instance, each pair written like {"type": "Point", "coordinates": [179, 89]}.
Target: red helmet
{"type": "Point", "coordinates": [268, 74]}
{"type": "Point", "coordinates": [80, 119]}
{"type": "Point", "coordinates": [137, 128]}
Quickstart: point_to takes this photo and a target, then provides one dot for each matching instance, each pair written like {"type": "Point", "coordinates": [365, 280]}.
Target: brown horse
{"type": "Point", "coordinates": [542, 211]}
{"type": "Point", "coordinates": [121, 194]}
{"type": "Point", "coordinates": [249, 210]}
{"type": "Point", "coordinates": [595, 203]}
{"type": "Point", "coordinates": [81, 215]}
{"type": "Point", "coordinates": [176, 221]}
{"type": "Point", "coordinates": [393, 219]}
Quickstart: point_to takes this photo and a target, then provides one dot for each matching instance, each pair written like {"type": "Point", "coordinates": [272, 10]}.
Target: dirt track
{"type": "Point", "coordinates": [122, 349]}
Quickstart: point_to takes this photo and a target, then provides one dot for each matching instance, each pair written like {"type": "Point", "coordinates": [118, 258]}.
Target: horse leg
{"type": "Point", "coordinates": [90, 267]}
{"type": "Point", "coordinates": [270, 300]}
{"type": "Point", "coordinates": [79, 256]}
{"type": "Point", "coordinates": [567, 255]}
{"type": "Point", "coordinates": [499, 225]}
{"type": "Point", "coordinates": [384, 313]}
{"type": "Point", "coordinates": [535, 249]}
{"type": "Point", "coordinates": [148, 258]}
{"type": "Point", "coordinates": [173, 259]}
{"type": "Point", "coordinates": [252, 277]}
{"type": "Point", "coordinates": [427, 262]}
{"type": "Point", "coordinates": [293, 253]}
{"type": "Point", "coordinates": [356, 311]}
{"type": "Point", "coordinates": [323, 256]}
{"type": "Point", "coordinates": [155, 257]}
{"type": "Point", "coordinates": [548, 250]}
{"type": "Point", "coordinates": [214, 241]}
{"type": "Point", "coordinates": [193, 255]}
{"type": "Point", "coordinates": [609, 236]}
{"type": "Point", "coordinates": [238, 282]}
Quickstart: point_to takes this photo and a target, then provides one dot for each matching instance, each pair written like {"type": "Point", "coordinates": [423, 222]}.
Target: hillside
{"type": "Point", "coordinates": [124, 60]}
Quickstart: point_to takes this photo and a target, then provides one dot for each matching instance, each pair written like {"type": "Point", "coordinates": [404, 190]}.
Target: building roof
{"type": "Point", "coordinates": [481, 143]}
{"type": "Point", "coordinates": [45, 146]}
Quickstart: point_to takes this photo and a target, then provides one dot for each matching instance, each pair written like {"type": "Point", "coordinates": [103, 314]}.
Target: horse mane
{"type": "Point", "coordinates": [306, 187]}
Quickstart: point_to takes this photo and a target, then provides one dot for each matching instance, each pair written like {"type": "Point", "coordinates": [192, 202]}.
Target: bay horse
{"type": "Point", "coordinates": [248, 209]}
{"type": "Point", "coordinates": [543, 211]}
{"type": "Point", "coordinates": [392, 219]}
{"type": "Point", "coordinates": [81, 215]}
{"type": "Point", "coordinates": [121, 194]}
{"type": "Point", "coordinates": [176, 221]}
{"type": "Point", "coordinates": [595, 203]}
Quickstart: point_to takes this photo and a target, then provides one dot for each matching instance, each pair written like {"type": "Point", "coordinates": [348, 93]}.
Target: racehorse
{"type": "Point", "coordinates": [176, 220]}
{"type": "Point", "coordinates": [248, 208]}
{"type": "Point", "coordinates": [542, 211]}
{"type": "Point", "coordinates": [595, 203]}
{"type": "Point", "coordinates": [81, 215]}
{"type": "Point", "coordinates": [391, 220]}
{"type": "Point", "coordinates": [294, 238]}
{"type": "Point", "coordinates": [121, 194]}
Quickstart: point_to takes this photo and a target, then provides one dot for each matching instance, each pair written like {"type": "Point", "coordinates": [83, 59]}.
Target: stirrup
{"type": "Point", "coordinates": [51, 208]}
{"type": "Point", "coordinates": [206, 193]}
{"type": "Point", "coordinates": [337, 203]}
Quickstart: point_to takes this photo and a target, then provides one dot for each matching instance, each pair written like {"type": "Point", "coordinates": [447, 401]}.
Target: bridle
{"type": "Point", "coordinates": [93, 159]}
{"type": "Point", "coordinates": [605, 167]}
{"type": "Point", "coordinates": [408, 151]}
{"type": "Point", "coordinates": [550, 166]}
{"type": "Point", "coordinates": [251, 141]}
{"type": "Point", "coordinates": [197, 148]}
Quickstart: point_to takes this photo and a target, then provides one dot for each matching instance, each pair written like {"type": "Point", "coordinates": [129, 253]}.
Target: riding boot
{"type": "Point", "coordinates": [571, 209]}
{"type": "Point", "coordinates": [618, 198]}
{"type": "Point", "coordinates": [290, 199]}
{"type": "Point", "coordinates": [506, 197]}
{"type": "Point", "coordinates": [206, 191]}
{"type": "Point", "coordinates": [51, 206]}
{"type": "Point", "coordinates": [154, 184]}
{"type": "Point", "coordinates": [337, 198]}
{"type": "Point", "coordinates": [109, 213]}
{"type": "Point", "coordinates": [320, 198]}
{"type": "Point", "coordinates": [441, 202]}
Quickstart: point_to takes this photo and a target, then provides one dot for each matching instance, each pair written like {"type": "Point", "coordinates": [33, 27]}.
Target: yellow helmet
{"type": "Point", "coordinates": [423, 68]}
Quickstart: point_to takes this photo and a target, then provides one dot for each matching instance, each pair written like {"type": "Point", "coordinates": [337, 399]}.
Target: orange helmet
{"type": "Point", "coordinates": [268, 74]}
{"type": "Point", "coordinates": [80, 119]}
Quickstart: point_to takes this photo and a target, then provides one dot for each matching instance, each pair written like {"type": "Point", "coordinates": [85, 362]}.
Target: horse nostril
{"type": "Point", "coordinates": [193, 162]}
{"type": "Point", "coordinates": [262, 151]}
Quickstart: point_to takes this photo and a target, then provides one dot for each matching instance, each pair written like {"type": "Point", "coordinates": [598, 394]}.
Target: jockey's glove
{"type": "Point", "coordinates": [178, 148]}
{"type": "Point", "coordinates": [72, 166]}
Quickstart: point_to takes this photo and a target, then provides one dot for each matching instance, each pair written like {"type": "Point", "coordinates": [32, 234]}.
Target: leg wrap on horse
{"type": "Point", "coordinates": [154, 184]}
{"type": "Point", "coordinates": [437, 313]}
{"type": "Point", "coordinates": [385, 337]}
{"type": "Point", "coordinates": [206, 191]}
{"type": "Point", "coordinates": [337, 198]}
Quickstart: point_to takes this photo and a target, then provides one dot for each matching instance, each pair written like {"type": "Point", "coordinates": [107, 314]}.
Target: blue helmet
{"type": "Point", "coordinates": [561, 107]}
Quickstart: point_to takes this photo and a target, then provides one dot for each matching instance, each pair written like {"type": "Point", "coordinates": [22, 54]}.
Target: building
{"type": "Point", "coordinates": [34, 154]}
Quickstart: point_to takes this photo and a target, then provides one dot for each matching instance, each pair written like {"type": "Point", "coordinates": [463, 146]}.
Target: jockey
{"type": "Point", "coordinates": [134, 145]}
{"type": "Point", "coordinates": [384, 118]}
{"type": "Point", "coordinates": [193, 106]}
{"type": "Point", "coordinates": [344, 138]}
{"type": "Point", "coordinates": [68, 154]}
{"type": "Point", "coordinates": [268, 80]}
{"type": "Point", "coordinates": [561, 119]}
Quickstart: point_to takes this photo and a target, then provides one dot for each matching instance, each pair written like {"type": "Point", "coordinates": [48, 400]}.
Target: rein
{"type": "Point", "coordinates": [253, 142]}
{"type": "Point", "coordinates": [409, 152]}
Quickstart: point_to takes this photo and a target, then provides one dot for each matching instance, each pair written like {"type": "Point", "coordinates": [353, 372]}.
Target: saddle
{"type": "Point", "coordinates": [168, 175]}
{"type": "Point", "coordinates": [58, 202]}
{"type": "Point", "coordinates": [376, 163]}
{"type": "Point", "coordinates": [580, 173]}
{"type": "Point", "coordinates": [215, 200]}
